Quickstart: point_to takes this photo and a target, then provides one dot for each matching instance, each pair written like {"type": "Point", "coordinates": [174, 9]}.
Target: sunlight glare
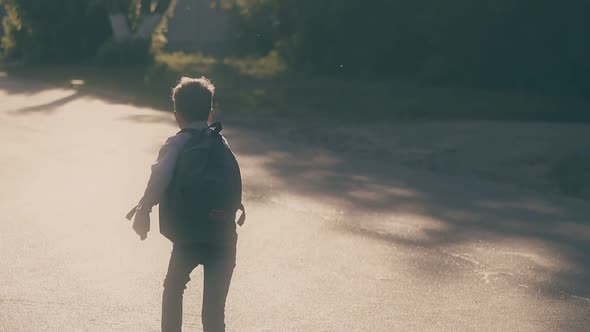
{"type": "Point", "coordinates": [75, 82]}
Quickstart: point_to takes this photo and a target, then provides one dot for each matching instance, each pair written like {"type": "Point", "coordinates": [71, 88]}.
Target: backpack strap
{"type": "Point", "coordinates": [243, 216]}
{"type": "Point", "coordinates": [215, 128]}
{"type": "Point", "coordinates": [192, 131]}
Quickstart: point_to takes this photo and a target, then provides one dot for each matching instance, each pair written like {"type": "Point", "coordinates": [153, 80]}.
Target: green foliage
{"type": "Point", "coordinates": [71, 31]}
{"type": "Point", "coordinates": [135, 51]}
{"type": "Point", "coordinates": [56, 31]}
{"type": "Point", "coordinates": [254, 27]}
{"type": "Point", "coordinates": [511, 43]}
{"type": "Point", "coordinates": [514, 44]}
{"type": "Point", "coordinates": [369, 38]}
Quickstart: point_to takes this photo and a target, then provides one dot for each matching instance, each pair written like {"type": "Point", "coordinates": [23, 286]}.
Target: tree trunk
{"type": "Point", "coordinates": [149, 19]}
{"type": "Point", "coordinates": [120, 26]}
{"type": "Point", "coordinates": [149, 22]}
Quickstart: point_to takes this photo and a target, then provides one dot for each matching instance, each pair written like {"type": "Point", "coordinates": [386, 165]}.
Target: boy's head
{"type": "Point", "coordinates": [193, 100]}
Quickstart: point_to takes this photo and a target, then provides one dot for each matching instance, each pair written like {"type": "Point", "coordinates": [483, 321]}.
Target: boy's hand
{"type": "Point", "coordinates": [141, 223]}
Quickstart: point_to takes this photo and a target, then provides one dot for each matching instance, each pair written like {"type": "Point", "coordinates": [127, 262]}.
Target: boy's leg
{"type": "Point", "coordinates": [182, 262]}
{"type": "Point", "coordinates": [219, 267]}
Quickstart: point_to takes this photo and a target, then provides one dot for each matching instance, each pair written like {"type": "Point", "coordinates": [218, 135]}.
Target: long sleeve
{"type": "Point", "coordinates": [163, 169]}
{"type": "Point", "coordinates": [162, 172]}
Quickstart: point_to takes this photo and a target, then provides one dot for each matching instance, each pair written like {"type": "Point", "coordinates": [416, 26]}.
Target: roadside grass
{"type": "Point", "coordinates": [264, 86]}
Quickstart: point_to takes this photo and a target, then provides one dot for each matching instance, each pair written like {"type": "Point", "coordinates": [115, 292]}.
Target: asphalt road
{"type": "Point", "coordinates": [330, 244]}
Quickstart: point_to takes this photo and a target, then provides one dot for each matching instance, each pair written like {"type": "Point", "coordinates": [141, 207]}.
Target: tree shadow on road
{"type": "Point", "coordinates": [50, 107]}
{"type": "Point", "coordinates": [454, 215]}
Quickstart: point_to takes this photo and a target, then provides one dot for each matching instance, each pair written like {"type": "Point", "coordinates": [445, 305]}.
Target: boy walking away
{"type": "Point", "coordinates": [196, 181]}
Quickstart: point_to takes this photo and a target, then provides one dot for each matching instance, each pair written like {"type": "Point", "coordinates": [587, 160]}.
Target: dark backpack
{"type": "Point", "coordinates": [205, 193]}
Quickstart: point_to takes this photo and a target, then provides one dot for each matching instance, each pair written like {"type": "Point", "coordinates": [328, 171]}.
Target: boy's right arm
{"type": "Point", "coordinates": [162, 172]}
{"type": "Point", "coordinates": [161, 175]}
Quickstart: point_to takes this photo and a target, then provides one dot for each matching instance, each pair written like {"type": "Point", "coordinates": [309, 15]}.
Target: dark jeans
{"type": "Point", "coordinates": [218, 263]}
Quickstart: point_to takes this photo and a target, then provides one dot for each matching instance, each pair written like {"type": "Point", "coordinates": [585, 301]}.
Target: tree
{"type": "Point", "coordinates": [151, 13]}
{"type": "Point", "coordinates": [56, 31]}
{"type": "Point", "coordinates": [66, 31]}
{"type": "Point", "coordinates": [506, 44]}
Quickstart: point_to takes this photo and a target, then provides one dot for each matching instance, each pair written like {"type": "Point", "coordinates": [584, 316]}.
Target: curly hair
{"type": "Point", "coordinates": [193, 98]}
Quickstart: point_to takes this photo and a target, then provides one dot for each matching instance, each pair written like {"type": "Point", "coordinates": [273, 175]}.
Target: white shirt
{"type": "Point", "coordinates": [163, 167]}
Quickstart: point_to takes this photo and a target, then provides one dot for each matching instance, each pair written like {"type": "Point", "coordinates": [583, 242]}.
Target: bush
{"type": "Point", "coordinates": [132, 52]}
{"type": "Point", "coordinates": [253, 28]}
{"type": "Point", "coordinates": [56, 31]}
{"type": "Point", "coordinates": [509, 44]}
